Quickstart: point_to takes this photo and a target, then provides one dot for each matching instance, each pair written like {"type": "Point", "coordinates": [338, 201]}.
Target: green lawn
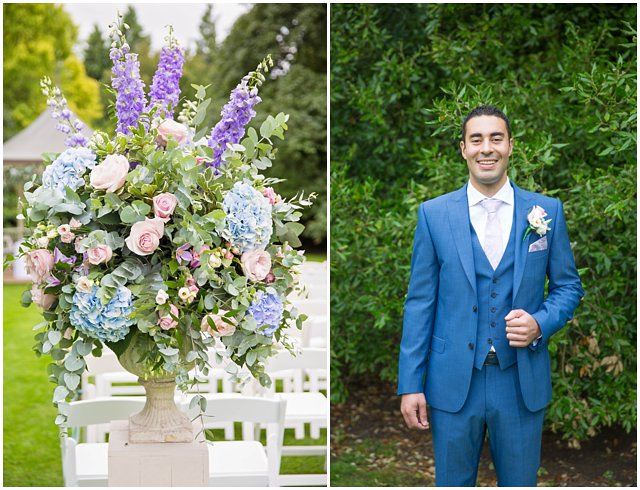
{"type": "Point", "coordinates": [31, 449]}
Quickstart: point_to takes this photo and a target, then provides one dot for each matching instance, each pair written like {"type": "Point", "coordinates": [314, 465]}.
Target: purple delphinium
{"type": "Point", "coordinates": [236, 114]}
{"type": "Point", "coordinates": [66, 123]}
{"type": "Point", "coordinates": [129, 87]}
{"type": "Point", "coordinates": [165, 88]}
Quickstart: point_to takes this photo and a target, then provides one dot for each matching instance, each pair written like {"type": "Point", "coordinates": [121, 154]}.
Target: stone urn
{"type": "Point", "coordinates": [160, 420]}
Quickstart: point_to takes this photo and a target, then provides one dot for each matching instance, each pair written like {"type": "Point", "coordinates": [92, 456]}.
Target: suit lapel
{"type": "Point", "coordinates": [522, 205]}
{"type": "Point", "coordinates": [458, 210]}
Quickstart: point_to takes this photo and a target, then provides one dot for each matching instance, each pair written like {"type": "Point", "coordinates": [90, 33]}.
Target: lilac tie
{"type": "Point", "coordinates": [492, 245]}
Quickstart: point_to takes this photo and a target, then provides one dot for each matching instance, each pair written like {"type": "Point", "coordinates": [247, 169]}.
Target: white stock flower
{"type": "Point", "coordinates": [162, 297]}
{"type": "Point", "coordinates": [84, 285]}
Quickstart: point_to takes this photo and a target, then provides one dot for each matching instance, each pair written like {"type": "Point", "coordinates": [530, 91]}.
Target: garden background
{"type": "Point", "coordinates": [41, 39]}
{"type": "Point", "coordinates": [402, 79]}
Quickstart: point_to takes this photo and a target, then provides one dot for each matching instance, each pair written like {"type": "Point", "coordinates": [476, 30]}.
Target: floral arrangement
{"type": "Point", "coordinates": [162, 231]}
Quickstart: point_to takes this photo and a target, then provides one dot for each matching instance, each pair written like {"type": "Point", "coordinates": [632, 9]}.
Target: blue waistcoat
{"type": "Point", "coordinates": [495, 299]}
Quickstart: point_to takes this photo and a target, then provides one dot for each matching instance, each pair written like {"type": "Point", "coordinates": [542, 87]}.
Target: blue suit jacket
{"type": "Point", "coordinates": [439, 308]}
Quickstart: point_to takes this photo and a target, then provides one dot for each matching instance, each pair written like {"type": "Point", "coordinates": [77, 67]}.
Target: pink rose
{"type": "Point", "coordinates": [166, 322]}
{"type": "Point", "coordinates": [223, 328]}
{"type": "Point", "coordinates": [39, 264]}
{"type": "Point", "coordinates": [42, 300]}
{"type": "Point", "coordinates": [99, 254]}
{"type": "Point", "coordinates": [110, 174]}
{"type": "Point", "coordinates": [256, 264]}
{"type": "Point", "coordinates": [66, 235]}
{"type": "Point", "coordinates": [270, 278]}
{"type": "Point", "coordinates": [164, 205]}
{"type": "Point", "coordinates": [190, 281]}
{"type": "Point", "coordinates": [168, 128]}
{"type": "Point", "coordinates": [145, 236]}
{"type": "Point", "coordinates": [74, 223]}
{"type": "Point", "coordinates": [270, 194]}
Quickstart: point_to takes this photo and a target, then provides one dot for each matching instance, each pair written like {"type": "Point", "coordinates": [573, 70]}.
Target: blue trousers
{"type": "Point", "coordinates": [494, 404]}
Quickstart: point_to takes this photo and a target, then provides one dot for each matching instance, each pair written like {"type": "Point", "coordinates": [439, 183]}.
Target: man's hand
{"type": "Point", "coordinates": [522, 328]}
{"type": "Point", "coordinates": [414, 410]}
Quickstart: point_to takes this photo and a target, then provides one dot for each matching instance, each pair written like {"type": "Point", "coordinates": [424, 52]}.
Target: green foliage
{"type": "Point", "coordinates": [402, 81]}
{"type": "Point", "coordinates": [37, 40]}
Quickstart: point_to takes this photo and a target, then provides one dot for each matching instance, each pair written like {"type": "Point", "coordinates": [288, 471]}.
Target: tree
{"type": "Point", "coordinates": [38, 39]}
{"type": "Point", "coordinates": [206, 45]}
{"type": "Point", "coordinates": [96, 54]}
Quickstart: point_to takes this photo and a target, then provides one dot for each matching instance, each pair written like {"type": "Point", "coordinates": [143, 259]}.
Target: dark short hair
{"type": "Point", "coordinates": [485, 110]}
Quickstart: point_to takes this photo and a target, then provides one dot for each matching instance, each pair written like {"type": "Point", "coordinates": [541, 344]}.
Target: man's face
{"type": "Point", "coordinates": [487, 149]}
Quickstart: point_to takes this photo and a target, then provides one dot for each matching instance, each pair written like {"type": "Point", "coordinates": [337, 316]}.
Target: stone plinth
{"type": "Point", "coordinates": [175, 464]}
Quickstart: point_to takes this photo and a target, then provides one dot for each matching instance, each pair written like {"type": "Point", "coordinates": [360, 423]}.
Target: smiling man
{"type": "Point", "coordinates": [477, 323]}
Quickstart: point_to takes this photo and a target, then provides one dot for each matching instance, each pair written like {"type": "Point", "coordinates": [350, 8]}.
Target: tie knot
{"type": "Point", "coordinates": [491, 205]}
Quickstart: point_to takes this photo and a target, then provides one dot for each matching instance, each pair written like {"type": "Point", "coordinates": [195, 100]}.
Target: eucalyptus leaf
{"type": "Point", "coordinates": [71, 380]}
{"type": "Point", "coordinates": [73, 363]}
{"type": "Point", "coordinates": [59, 394]}
{"type": "Point", "coordinates": [54, 336]}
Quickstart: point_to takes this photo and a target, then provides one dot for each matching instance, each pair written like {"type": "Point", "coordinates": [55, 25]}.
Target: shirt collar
{"type": "Point", "coordinates": [505, 194]}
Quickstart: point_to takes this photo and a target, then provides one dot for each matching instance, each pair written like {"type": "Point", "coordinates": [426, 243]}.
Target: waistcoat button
{"type": "Point", "coordinates": [493, 295]}
{"type": "Point", "coordinates": [470, 345]}
{"type": "Point", "coordinates": [493, 309]}
{"type": "Point", "coordinates": [475, 309]}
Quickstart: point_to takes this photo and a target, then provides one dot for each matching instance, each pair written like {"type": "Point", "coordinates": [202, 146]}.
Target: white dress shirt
{"type": "Point", "coordinates": [479, 215]}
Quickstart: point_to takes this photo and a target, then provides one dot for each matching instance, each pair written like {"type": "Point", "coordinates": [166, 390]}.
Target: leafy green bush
{"type": "Point", "coordinates": [402, 80]}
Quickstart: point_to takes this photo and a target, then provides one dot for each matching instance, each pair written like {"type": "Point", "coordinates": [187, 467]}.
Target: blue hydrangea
{"type": "Point", "coordinates": [68, 169]}
{"type": "Point", "coordinates": [249, 224]}
{"type": "Point", "coordinates": [108, 322]}
{"type": "Point", "coordinates": [267, 310]}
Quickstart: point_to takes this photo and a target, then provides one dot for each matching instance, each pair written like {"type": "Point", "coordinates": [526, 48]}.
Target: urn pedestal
{"type": "Point", "coordinates": [160, 420]}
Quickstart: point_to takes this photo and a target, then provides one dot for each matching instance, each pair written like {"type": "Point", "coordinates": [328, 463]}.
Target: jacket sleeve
{"type": "Point", "coordinates": [419, 310]}
{"type": "Point", "coordinates": [565, 288]}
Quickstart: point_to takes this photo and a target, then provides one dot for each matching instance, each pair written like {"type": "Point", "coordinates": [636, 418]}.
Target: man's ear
{"type": "Point", "coordinates": [510, 146]}
{"type": "Point", "coordinates": [463, 150]}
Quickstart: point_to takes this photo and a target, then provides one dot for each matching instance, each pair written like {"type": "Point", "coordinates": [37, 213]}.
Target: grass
{"type": "Point", "coordinates": [356, 467]}
{"type": "Point", "coordinates": [315, 257]}
{"type": "Point", "coordinates": [31, 451]}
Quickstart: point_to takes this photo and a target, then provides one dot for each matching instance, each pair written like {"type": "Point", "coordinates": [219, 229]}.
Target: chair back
{"type": "Point", "coordinates": [308, 358]}
{"type": "Point", "coordinates": [103, 410]}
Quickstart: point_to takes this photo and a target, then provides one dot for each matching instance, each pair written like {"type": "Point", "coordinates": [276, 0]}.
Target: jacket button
{"type": "Point", "coordinates": [475, 309]}
{"type": "Point", "coordinates": [490, 341]}
{"type": "Point", "coordinates": [494, 281]}
{"type": "Point", "coordinates": [470, 345]}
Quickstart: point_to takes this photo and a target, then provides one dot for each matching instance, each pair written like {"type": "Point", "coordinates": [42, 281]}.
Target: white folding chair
{"type": "Point", "coordinates": [303, 407]}
{"type": "Point", "coordinates": [245, 463]}
{"type": "Point", "coordinates": [85, 464]}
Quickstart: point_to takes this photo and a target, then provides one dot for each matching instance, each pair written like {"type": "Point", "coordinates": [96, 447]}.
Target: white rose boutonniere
{"type": "Point", "coordinates": [537, 222]}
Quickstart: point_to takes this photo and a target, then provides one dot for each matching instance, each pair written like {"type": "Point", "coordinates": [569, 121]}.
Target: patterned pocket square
{"type": "Point", "coordinates": [538, 245]}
